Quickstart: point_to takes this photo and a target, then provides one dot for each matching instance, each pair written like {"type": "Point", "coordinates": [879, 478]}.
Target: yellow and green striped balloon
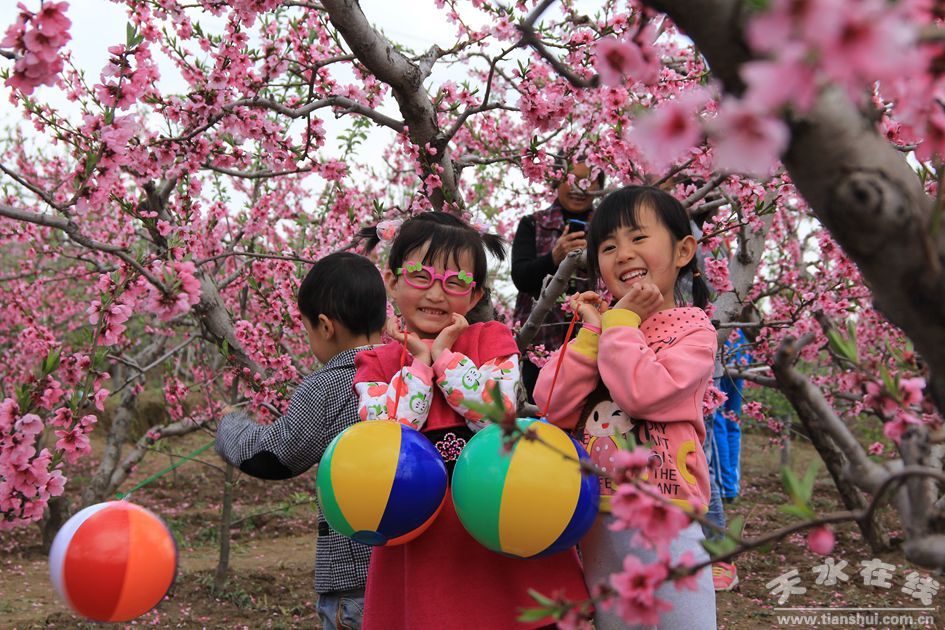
{"type": "Point", "coordinates": [528, 501]}
{"type": "Point", "coordinates": [381, 483]}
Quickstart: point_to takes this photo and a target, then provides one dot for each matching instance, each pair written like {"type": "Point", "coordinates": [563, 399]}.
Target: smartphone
{"type": "Point", "coordinates": [576, 225]}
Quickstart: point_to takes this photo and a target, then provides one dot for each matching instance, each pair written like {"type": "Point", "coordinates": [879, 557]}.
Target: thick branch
{"type": "Point", "coordinates": [709, 186]}
{"type": "Point", "coordinates": [141, 448]}
{"type": "Point", "coordinates": [406, 80]}
{"type": "Point", "coordinates": [98, 486]}
{"type": "Point", "coordinates": [741, 272]}
{"type": "Point", "coordinates": [818, 415]}
{"type": "Point", "coordinates": [530, 38]}
{"type": "Point", "coordinates": [72, 231]}
{"type": "Point", "coordinates": [218, 325]}
{"type": "Point", "coordinates": [858, 184]}
{"type": "Point", "coordinates": [549, 296]}
{"type": "Point", "coordinates": [254, 174]}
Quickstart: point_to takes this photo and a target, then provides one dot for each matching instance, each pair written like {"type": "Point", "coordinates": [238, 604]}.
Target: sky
{"type": "Point", "coordinates": [98, 24]}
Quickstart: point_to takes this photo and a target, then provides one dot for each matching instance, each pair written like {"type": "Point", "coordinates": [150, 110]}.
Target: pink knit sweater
{"type": "Point", "coordinates": [656, 373]}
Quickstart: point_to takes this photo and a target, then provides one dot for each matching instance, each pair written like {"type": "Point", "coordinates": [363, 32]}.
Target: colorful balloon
{"type": "Point", "coordinates": [527, 502]}
{"type": "Point", "coordinates": [113, 561]}
{"type": "Point", "coordinates": [381, 483]}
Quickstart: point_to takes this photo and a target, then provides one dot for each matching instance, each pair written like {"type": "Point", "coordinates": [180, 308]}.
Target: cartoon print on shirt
{"type": "Point", "coordinates": [605, 421]}
{"type": "Point", "coordinates": [602, 420]}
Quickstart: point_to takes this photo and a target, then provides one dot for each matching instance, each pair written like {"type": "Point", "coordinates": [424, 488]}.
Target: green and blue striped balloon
{"type": "Point", "coordinates": [528, 501]}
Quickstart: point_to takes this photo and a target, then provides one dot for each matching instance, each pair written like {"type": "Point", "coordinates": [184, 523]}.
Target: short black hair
{"type": "Point", "coordinates": [621, 208]}
{"type": "Point", "coordinates": [347, 288]}
{"type": "Point", "coordinates": [448, 236]}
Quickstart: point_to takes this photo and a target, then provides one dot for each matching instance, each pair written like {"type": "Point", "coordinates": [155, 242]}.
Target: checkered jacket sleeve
{"type": "Point", "coordinates": [289, 446]}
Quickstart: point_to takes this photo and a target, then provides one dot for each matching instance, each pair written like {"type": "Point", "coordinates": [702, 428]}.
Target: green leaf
{"type": "Point", "coordinates": [625, 442]}
{"type": "Point", "coordinates": [493, 411]}
{"type": "Point", "coordinates": [790, 482]}
{"type": "Point", "coordinates": [23, 397]}
{"type": "Point", "coordinates": [891, 387]}
{"type": "Point", "coordinates": [51, 362]}
{"type": "Point", "coordinates": [719, 547]}
{"type": "Point", "coordinates": [841, 346]}
{"type": "Point", "coordinates": [91, 159]}
{"type": "Point", "coordinates": [807, 483]}
{"type": "Point", "coordinates": [535, 614]}
{"type": "Point", "coordinates": [735, 526]}
{"type": "Point", "coordinates": [800, 511]}
{"type": "Point", "coordinates": [851, 341]}
{"type": "Point", "coordinates": [98, 359]}
{"type": "Point", "coordinates": [542, 599]}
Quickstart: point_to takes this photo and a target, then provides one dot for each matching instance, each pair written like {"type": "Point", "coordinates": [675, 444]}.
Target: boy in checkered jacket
{"type": "Point", "coordinates": [342, 302]}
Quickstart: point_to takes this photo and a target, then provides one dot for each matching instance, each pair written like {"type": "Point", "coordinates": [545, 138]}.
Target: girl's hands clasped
{"type": "Point", "coordinates": [415, 345]}
{"type": "Point", "coordinates": [643, 298]}
{"type": "Point", "coordinates": [589, 306]}
{"type": "Point", "coordinates": [448, 336]}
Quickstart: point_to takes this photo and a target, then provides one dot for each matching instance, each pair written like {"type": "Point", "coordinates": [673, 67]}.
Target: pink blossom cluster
{"type": "Point", "coordinates": [27, 480]}
{"type": "Point", "coordinates": [657, 522]}
{"type": "Point", "coordinates": [181, 290]}
{"type": "Point", "coordinates": [545, 99]}
{"type": "Point", "coordinates": [36, 38]}
{"type": "Point", "coordinates": [808, 46]}
{"type": "Point", "coordinates": [900, 408]}
{"type": "Point", "coordinates": [712, 400]}
{"type": "Point", "coordinates": [129, 76]}
{"type": "Point", "coordinates": [630, 59]}
{"type": "Point", "coordinates": [111, 318]}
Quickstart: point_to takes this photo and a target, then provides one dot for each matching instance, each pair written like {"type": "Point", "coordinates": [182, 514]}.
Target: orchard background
{"type": "Point", "coordinates": [163, 195]}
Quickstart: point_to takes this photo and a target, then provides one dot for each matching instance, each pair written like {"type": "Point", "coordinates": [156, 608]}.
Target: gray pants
{"type": "Point", "coordinates": [603, 552]}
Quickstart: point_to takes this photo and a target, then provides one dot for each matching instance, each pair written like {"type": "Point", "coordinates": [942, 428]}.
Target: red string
{"type": "Point", "coordinates": [564, 350]}
{"type": "Point", "coordinates": [403, 364]}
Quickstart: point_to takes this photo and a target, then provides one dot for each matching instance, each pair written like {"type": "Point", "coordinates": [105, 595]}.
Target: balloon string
{"type": "Point", "coordinates": [564, 350]}
{"type": "Point", "coordinates": [183, 460]}
{"type": "Point", "coordinates": [403, 364]}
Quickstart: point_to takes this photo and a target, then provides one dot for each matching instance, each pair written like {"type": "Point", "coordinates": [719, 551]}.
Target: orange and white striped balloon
{"type": "Point", "coordinates": [113, 561]}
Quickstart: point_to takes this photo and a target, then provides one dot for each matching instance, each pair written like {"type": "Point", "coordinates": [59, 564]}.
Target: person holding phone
{"type": "Point", "coordinates": [542, 241]}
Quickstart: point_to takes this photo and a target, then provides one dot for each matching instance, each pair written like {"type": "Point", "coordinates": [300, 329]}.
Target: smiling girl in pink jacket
{"type": "Point", "coordinates": [653, 360]}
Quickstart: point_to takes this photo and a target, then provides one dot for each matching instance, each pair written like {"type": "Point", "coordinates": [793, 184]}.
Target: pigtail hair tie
{"type": "Point", "coordinates": [387, 229]}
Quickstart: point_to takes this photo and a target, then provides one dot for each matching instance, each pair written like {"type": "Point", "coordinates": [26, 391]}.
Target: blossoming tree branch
{"type": "Point", "coordinates": [153, 237]}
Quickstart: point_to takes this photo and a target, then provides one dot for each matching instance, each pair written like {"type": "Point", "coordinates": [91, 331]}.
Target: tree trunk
{"type": "Point", "coordinates": [853, 499]}
{"type": "Point", "coordinates": [57, 512]}
{"type": "Point", "coordinates": [226, 518]}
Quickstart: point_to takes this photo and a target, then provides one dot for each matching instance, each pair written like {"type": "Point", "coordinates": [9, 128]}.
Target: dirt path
{"type": "Point", "coordinates": [273, 555]}
{"type": "Point", "coordinates": [26, 595]}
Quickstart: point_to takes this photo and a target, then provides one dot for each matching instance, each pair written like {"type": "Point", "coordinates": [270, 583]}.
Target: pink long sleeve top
{"type": "Point", "coordinates": [654, 376]}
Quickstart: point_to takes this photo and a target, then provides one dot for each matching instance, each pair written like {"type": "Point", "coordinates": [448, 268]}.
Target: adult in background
{"type": "Point", "coordinates": [542, 240]}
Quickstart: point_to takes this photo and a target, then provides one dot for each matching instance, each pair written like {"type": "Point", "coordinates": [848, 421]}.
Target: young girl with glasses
{"type": "Point", "coordinates": [444, 578]}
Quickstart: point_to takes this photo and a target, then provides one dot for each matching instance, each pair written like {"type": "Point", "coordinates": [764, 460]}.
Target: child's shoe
{"type": "Point", "coordinates": [724, 576]}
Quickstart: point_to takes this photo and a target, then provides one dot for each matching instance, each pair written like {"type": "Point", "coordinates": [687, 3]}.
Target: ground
{"type": "Point", "coordinates": [270, 578]}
